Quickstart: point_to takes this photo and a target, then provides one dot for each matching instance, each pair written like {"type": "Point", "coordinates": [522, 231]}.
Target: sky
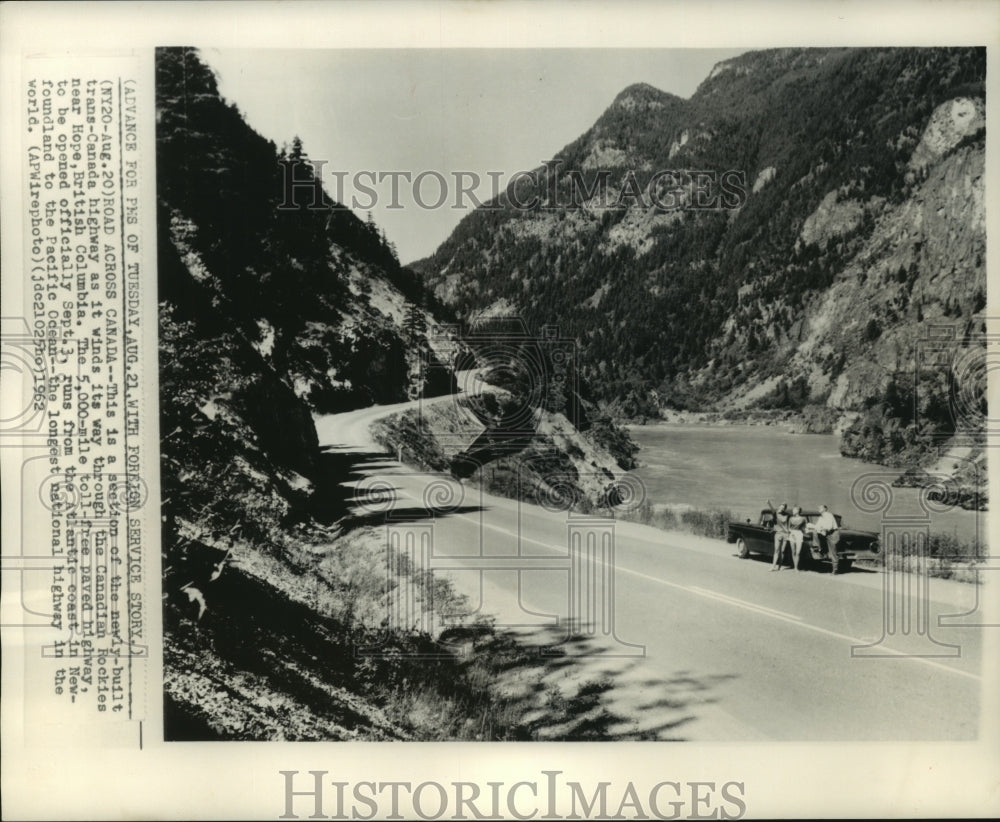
{"type": "Point", "coordinates": [437, 112]}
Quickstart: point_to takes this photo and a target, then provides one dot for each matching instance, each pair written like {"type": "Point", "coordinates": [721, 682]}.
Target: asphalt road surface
{"type": "Point", "coordinates": [698, 644]}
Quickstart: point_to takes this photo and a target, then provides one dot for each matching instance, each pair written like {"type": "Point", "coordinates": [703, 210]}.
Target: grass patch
{"type": "Point", "coordinates": [948, 556]}
{"type": "Point", "coordinates": [713, 522]}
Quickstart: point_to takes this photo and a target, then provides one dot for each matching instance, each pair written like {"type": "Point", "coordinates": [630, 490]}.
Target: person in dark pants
{"type": "Point", "coordinates": [781, 536]}
{"type": "Point", "coordinates": [829, 536]}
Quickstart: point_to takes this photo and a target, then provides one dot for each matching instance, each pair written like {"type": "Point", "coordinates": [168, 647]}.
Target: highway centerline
{"type": "Point", "coordinates": [791, 619]}
{"type": "Point", "coordinates": [743, 603]}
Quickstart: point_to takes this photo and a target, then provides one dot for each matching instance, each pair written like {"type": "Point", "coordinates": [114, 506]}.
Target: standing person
{"type": "Point", "coordinates": [829, 536]}
{"type": "Point", "coordinates": [781, 536]}
{"type": "Point", "coordinates": [796, 526]}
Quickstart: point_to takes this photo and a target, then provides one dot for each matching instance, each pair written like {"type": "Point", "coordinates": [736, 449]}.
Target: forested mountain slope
{"type": "Point", "coordinates": [268, 315]}
{"type": "Point", "coordinates": [271, 312]}
{"type": "Point", "coordinates": [841, 215]}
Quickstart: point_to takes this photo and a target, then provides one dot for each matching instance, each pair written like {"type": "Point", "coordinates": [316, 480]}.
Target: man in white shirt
{"type": "Point", "coordinates": [829, 535]}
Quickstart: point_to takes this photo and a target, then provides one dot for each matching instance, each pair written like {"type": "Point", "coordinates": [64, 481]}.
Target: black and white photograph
{"type": "Point", "coordinates": [401, 398]}
{"type": "Point", "coordinates": [459, 449]}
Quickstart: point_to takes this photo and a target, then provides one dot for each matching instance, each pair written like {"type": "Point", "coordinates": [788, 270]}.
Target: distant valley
{"type": "Point", "coordinates": [860, 225]}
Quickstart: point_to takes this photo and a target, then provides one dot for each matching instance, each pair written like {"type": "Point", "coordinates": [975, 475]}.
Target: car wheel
{"type": "Point", "coordinates": [741, 549]}
{"type": "Point", "coordinates": [844, 565]}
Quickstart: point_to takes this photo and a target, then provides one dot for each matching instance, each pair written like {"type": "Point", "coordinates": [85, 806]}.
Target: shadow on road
{"type": "Point", "coordinates": [337, 500]}
{"type": "Point", "coordinates": [575, 689]}
{"type": "Point", "coordinates": [398, 516]}
{"type": "Point", "coordinates": [331, 498]}
{"type": "Point", "coordinates": [551, 685]}
{"type": "Point", "coordinates": [817, 565]}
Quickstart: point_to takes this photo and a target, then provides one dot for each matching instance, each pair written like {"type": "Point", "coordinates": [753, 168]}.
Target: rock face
{"type": "Point", "coordinates": [950, 123]}
{"type": "Point", "coordinates": [843, 217]}
{"type": "Point", "coordinates": [922, 264]}
{"type": "Point", "coordinates": [267, 316]}
{"type": "Point", "coordinates": [763, 178]}
{"type": "Point", "coordinates": [552, 465]}
{"type": "Point", "coordinates": [832, 218]}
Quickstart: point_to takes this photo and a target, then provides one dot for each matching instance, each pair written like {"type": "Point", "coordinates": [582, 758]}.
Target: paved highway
{"type": "Point", "coordinates": [696, 643]}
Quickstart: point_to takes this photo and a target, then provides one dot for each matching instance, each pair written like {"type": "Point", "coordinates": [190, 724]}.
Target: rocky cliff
{"type": "Point", "coordinates": [839, 216]}
{"type": "Point", "coordinates": [267, 316]}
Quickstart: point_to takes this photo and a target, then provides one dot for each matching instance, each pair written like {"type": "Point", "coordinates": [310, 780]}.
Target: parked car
{"type": "Point", "coordinates": [758, 538]}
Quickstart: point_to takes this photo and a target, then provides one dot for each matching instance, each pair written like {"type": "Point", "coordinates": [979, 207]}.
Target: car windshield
{"type": "Point", "coordinates": [767, 517]}
{"type": "Point", "coordinates": [812, 516]}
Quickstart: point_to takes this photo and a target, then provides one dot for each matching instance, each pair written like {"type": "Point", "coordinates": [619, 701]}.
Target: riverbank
{"type": "Point", "coordinates": [956, 474]}
{"type": "Point", "coordinates": [812, 420]}
{"type": "Point", "coordinates": [740, 468]}
{"type": "Point", "coordinates": [947, 556]}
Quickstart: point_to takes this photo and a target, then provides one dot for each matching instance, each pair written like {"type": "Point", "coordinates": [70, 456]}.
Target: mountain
{"type": "Point", "coordinates": [840, 214]}
{"type": "Point", "coordinates": [277, 304]}
{"type": "Point", "coordinates": [318, 293]}
{"type": "Point", "coordinates": [268, 315]}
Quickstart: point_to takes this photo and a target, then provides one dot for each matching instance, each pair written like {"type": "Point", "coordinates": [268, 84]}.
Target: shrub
{"type": "Point", "coordinates": [607, 434]}
{"type": "Point", "coordinates": [872, 330]}
{"type": "Point", "coordinates": [644, 513]}
{"type": "Point", "coordinates": [665, 519]}
{"type": "Point", "coordinates": [713, 523]}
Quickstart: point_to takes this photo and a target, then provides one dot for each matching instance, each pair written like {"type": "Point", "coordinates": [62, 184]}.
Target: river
{"type": "Point", "coordinates": [741, 467]}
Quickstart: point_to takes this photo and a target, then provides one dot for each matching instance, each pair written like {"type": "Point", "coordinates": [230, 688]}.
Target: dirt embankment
{"type": "Point", "coordinates": [545, 460]}
{"type": "Point", "coordinates": [293, 646]}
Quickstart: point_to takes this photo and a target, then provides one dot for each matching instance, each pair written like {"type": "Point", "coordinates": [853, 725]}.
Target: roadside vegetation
{"type": "Point", "coordinates": [948, 556]}
{"type": "Point", "coordinates": [712, 523]}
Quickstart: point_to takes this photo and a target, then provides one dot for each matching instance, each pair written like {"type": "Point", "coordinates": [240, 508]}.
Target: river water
{"type": "Point", "coordinates": [741, 467]}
